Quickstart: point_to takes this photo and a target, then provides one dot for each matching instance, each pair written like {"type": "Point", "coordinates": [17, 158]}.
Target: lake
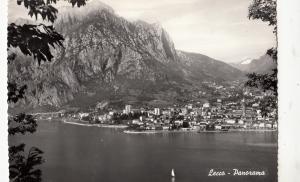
{"type": "Point", "coordinates": [92, 154]}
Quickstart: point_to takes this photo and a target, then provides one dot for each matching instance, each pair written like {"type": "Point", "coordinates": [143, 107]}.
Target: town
{"type": "Point", "coordinates": [221, 114]}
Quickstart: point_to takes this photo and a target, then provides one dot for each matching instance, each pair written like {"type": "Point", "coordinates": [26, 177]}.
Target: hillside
{"type": "Point", "coordinates": [107, 58]}
{"type": "Point", "coordinates": [264, 64]}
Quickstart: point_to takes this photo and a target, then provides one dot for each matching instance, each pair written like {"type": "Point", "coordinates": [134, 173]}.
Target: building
{"type": "Point", "coordinates": [206, 105]}
{"type": "Point", "coordinates": [166, 113]}
{"type": "Point", "coordinates": [127, 109]}
{"type": "Point", "coordinates": [184, 111]}
{"type": "Point", "coordinates": [156, 111]}
{"type": "Point", "coordinates": [243, 108]}
{"type": "Point", "coordinates": [142, 118]}
{"type": "Point", "coordinates": [190, 106]}
{"type": "Point", "coordinates": [81, 115]}
{"type": "Point", "coordinates": [230, 121]}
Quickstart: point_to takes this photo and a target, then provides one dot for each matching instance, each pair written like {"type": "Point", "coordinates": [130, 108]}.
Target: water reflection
{"type": "Point", "coordinates": [92, 154]}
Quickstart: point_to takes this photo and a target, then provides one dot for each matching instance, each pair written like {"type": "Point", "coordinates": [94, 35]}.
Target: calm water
{"type": "Point", "coordinates": [91, 154]}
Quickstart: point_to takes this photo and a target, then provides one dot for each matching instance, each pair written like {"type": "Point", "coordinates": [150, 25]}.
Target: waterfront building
{"type": "Point", "coordinates": [142, 118]}
{"type": "Point", "coordinates": [81, 115]}
{"type": "Point", "coordinates": [135, 121]}
{"type": "Point", "coordinates": [261, 125]}
{"type": "Point", "coordinates": [218, 127]}
{"type": "Point", "coordinates": [127, 109]}
{"type": "Point", "coordinates": [241, 122]}
{"type": "Point", "coordinates": [268, 125]}
{"type": "Point", "coordinates": [230, 121]}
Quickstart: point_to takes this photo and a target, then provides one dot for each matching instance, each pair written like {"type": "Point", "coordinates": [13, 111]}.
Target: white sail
{"type": "Point", "coordinates": [172, 173]}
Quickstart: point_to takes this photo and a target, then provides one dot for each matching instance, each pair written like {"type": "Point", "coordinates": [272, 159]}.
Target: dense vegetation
{"type": "Point", "coordinates": [36, 41]}
{"type": "Point", "coordinates": [265, 10]}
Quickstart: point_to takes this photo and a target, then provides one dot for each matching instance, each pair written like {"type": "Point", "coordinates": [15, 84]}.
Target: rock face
{"type": "Point", "coordinates": [106, 57]}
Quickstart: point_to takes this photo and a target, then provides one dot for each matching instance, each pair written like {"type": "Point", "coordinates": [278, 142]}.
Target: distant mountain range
{"type": "Point", "coordinates": [264, 64]}
{"type": "Point", "coordinates": [107, 58]}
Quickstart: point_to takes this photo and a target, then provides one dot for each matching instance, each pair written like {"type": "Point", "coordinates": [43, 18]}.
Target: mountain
{"type": "Point", "coordinates": [107, 58]}
{"type": "Point", "coordinates": [264, 64]}
{"type": "Point", "coordinates": [246, 61]}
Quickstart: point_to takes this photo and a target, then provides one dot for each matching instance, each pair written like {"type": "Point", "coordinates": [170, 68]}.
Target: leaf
{"type": "Point", "coordinates": [264, 10]}
{"type": "Point", "coordinates": [34, 40]}
{"type": "Point", "coordinates": [21, 123]}
{"type": "Point", "coordinates": [15, 93]}
{"type": "Point", "coordinates": [22, 168]}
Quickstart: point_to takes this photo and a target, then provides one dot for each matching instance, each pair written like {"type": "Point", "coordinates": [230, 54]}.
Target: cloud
{"type": "Point", "coordinates": [217, 28]}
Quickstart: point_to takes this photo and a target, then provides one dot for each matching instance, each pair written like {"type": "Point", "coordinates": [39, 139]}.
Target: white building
{"type": "Point", "coordinates": [157, 111]}
{"type": "Point", "coordinates": [184, 111]}
{"type": "Point", "coordinates": [127, 109]}
{"type": "Point", "coordinates": [261, 125]}
{"type": "Point", "coordinates": [218, 127]}
{"type": "Point", "coordinates": [136, 121]}
{"type": "Point", "coordinates": [230, 121]}
{"type": "Point", "coordinates": [241, 122]}
{"type": "Point", "coordinates": [206, 105]}
{"type": "Point", "coordinates": [81, 115]}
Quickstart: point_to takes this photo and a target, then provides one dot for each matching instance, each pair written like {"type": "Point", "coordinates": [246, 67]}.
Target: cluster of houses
{"type": "Point", "coordinates": [220, 114]}
{"type": "Point", "coordinates": [206, 116]}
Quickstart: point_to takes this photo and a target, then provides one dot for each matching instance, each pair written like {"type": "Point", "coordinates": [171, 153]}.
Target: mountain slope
{"type": "Point", "coordinates": [264, 64]}
{"type": "Point", "coordinates": [106, 57]}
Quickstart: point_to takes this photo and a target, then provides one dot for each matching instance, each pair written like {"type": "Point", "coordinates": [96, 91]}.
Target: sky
{"type": "Point", "coordinates": [217, 28]}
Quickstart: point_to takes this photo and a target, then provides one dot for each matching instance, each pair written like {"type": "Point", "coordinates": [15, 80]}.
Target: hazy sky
{"type": "Point", "coordinates": [217, 28]}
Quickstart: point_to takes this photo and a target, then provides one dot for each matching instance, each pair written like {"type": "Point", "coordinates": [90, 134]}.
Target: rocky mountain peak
{"type": "Point", "coordinates": [106, 57]}
{"type": "Point", "coordinates": [91, 7]}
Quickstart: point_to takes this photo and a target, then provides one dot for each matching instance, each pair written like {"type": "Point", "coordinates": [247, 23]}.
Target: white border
{"type": "Point", "coordinates": [3, 93]}
{"type": "Point", "coordinates": [289, 90]}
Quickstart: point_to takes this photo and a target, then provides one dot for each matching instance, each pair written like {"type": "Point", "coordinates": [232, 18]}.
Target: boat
{"type": "Point", "coordinates": [172, 173]}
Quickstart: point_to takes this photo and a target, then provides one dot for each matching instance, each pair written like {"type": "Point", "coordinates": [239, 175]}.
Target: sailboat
{"type": "Point", "coordinates": [172, 173]}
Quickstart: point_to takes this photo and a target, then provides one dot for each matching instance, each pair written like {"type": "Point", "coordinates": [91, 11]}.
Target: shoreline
{"type": "Point", "coordinates": [158, 131]}
{"type": "Point", "coordinates": [79, 123]}
{"type": "Point", "coordinates": [96, 125]}
{"type": "Point", "coordinates": [194, 131]}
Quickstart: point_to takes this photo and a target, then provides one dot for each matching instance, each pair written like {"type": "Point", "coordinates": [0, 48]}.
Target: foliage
{"type": "Point", "coordinates": [267, 82]}
{"type": "Point", "coordinates": [273, 54]}
{"type": "Point", "coordinates": [21, 123]}
{"type": "Point", "coordinates": [22, 167]}
{"type": "Point", "coordinates": [15, 93]}
{"type": "Point", "coordinates": [36, 41]}
{"type": "Point", "coordinates": [44, 8]}
{"type": "Point", "coordinates": [267, 105]}
{"type": "Point", "coordinates": [265, 10]}
{"type": "Point", "coordinates": [130, 116]}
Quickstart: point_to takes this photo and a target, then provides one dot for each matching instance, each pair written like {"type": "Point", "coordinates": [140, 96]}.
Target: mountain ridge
{"type": "Point", "coordinates": [263, 64]}
{"type": "Point", "coordinates": [106, 57]}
